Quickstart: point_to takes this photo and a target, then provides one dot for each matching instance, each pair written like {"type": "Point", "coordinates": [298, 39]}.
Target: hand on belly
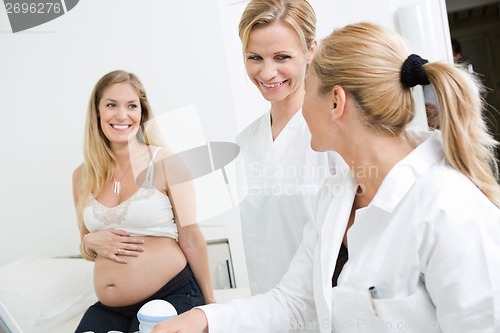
{"type": "Point", "coordinates": [116, 245]}
{"type": "Point", "coordinates": [117, 284]}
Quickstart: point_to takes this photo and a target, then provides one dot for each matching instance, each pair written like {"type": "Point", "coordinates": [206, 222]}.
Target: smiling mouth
{"type": "Point", "coordinates": [273, 85]}
{"type": "Point", "coordinates": [120, 127]}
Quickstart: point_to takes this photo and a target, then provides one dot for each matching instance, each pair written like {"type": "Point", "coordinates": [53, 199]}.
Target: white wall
{"type": "Point", "coordinates": [185, 52]}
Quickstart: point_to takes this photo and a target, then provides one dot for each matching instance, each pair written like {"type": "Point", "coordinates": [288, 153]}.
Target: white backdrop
{"type": "Point", "coordinates": [185, 53]}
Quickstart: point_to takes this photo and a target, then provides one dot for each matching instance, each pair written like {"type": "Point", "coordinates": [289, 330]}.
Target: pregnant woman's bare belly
{"type": "Point", "coordinates": [126, 284]}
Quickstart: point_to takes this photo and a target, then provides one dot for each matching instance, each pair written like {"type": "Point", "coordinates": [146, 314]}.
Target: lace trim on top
{"type": "Point", "coordinates": [117, 214]}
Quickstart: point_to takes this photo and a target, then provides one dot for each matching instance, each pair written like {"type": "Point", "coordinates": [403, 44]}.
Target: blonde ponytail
{"type": "Point", "coordinates": [468, 146]}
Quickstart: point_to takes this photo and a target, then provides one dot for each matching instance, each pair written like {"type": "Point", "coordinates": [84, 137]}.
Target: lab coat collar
{"type": "Point", "coordinates": [296, 120]}
{"type": "Point", "coordinates": [334, 207]}
{"type": "Point", "coordinates": [293, 124]}
{"type": "Point", "coordinates": [399, 180]}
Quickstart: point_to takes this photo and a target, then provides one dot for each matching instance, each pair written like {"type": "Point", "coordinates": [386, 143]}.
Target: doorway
{"type": "Point", "coordinates": [477, 30]}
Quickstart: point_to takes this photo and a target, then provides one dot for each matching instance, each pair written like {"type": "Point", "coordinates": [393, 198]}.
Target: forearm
{"type": "Point", "coordinates": [195, 249]}
{"type": "Point", "coordinates": [199, 266]}
{"type": "Point", "coordinates": [263, 313]}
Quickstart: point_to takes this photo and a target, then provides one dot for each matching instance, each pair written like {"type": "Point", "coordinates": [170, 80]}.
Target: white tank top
{"type": "Point", "coordinates": [148, 212]}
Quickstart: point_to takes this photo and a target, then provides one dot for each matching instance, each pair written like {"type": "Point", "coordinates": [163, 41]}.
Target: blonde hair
{"type": "Point", "coordinates": [99, 159]}
{"type": "Point", "coordinates": [297, 13]}
{"type": "Point", "coordinates": [366, 60]}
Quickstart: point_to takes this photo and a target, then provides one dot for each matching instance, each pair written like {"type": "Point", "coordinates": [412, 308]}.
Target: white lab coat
{"type": "Point", "coordinates": [279, 180]}
{"type": "Point", "coordinates": [429, 242]}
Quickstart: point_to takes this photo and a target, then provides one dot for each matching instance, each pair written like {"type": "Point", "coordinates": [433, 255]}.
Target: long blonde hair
{"type": "Point", "coordinates": [366, 60]}
{"type": "Point", "coordinates": [99, 159]}
{"type": "Point", "coordinates": [297, 13]}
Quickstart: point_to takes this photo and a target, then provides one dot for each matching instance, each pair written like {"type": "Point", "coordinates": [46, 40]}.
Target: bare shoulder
{"type": "Point", "coordinates": [77, 174]}
{"type": "Point", "coordinates": [76, 180]}
{"type": "Point", "coordinates": [163, 153]}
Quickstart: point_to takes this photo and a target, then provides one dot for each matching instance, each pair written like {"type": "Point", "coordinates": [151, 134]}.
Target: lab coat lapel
{"type": "Point", "coordinates": [333, 212]}
{"type": "Point", "coordinates": [277, 149]}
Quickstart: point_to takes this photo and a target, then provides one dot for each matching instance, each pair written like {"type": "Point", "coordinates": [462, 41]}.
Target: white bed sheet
{"type": "Point", "coordinates": [43, 293]}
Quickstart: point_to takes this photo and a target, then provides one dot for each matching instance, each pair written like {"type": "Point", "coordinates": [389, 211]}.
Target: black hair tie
{"type": "Point", "coordinates": [413, 73]}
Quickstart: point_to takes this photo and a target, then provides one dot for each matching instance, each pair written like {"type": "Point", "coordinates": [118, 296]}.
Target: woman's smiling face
{"type": "Point", "coordinates": [275, 61]}
{"type": "Point", "coordinates": [120, 113]}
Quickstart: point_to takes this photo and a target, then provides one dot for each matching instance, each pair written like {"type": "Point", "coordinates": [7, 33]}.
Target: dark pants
{"type": "Point", "coordinates": [182, 292]}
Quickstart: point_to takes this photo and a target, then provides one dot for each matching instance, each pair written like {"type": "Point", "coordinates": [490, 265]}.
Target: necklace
{"type": "Point", "coordinates": [117, 184]}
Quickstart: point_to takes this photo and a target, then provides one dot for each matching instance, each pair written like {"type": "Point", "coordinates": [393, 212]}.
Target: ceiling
{"type": "Point", "coordinates": [479, 11]}
{"type": "Point", "coordinates": [457, 5]}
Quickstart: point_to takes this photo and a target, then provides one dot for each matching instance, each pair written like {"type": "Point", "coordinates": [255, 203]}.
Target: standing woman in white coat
{"type": "Point", "coordinates": [418, 212]}
{"type": "Point", "coordinates": [282, 174]}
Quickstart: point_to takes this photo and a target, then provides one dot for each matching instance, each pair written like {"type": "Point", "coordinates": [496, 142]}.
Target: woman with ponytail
{"type": "Point", "coordinates": [407, 235]}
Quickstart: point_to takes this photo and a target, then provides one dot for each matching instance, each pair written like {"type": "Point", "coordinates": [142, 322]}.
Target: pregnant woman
{"type": "Point", "coordinates": [141, 232]}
